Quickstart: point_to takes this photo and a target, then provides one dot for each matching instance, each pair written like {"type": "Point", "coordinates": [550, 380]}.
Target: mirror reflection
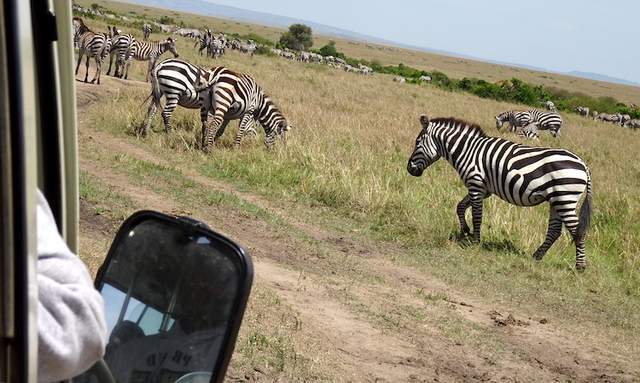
{"type": "Point", "coordinates": [168, 294]}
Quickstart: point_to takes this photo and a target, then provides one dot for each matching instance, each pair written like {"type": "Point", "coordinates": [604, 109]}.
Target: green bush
{"type": "Point", "coordinates": [298, 37]}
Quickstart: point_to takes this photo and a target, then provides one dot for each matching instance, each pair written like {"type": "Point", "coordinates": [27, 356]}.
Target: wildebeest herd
{"type": "Point", "coordinates": [519, 174]}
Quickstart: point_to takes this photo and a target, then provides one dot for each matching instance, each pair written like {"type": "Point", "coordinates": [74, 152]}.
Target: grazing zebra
{"type": "Point", "coordinates": [517, 120]}
{"type": "Point", "coordinates": [146, 31]}
{"type": "Point", "coordinates": [228, 95]}
{"type": "Point", "coordinates": [92, 44]}
{"type": "Point", "coordinates": [632, 124]}
{"type": "Point", "coordinates": [582, 110]}
{"type": "Point", "coordinates": [120, 45]}
{"type": "Point", "coordinates": [148, 51]}
{"type": "Point", "coordinates": [176, 81]}
{"type": "Point", "coordinates": [550, 121]}
{"type": "Point", "coordinates": [624, 118]}
{"type": "Point", "coordinates": [518, 174]}
{"type": "Point", "coordinates": [550, 106]}
{"type": "Point", "coordinates": [607, 117]}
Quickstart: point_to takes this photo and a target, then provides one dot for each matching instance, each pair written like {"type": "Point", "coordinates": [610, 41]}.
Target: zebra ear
{"type": "Point", "coordinates": [424, 120]}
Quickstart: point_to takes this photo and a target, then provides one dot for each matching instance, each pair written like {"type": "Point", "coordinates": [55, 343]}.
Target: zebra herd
{"type": "Point", "coordinates": [520, 175]}
{"type": "Point", "coordinates": [123, 47]}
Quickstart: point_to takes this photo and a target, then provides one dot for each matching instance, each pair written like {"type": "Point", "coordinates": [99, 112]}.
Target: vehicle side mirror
{"type": "Point", "coordinates": [175, 293]}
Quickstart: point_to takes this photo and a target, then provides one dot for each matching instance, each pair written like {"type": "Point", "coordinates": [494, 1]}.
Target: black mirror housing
{"type": "Point", "coordinates": [175, 293]}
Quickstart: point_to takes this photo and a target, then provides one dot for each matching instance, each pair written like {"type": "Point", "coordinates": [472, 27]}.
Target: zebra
{"type": "Point", "coordinates": [550, 121]}
{"type": "Point", "coordinates": [228, 95]}
{"type": "Point", "coordinates": [582, 110]}
{"type": "Point", "coordinates": [92, 44]}
{"type": "Point", "coordinates": [176, 81]}
{"type": "Point", "coordinates": [148, 51]}
{"type": "Point", "coordinates": [216, 47]}
{"type": "Point", "coordinates": [614, 118]}
{"type": "Point", "coordinates": [517, 120]}
{"type": "Point", "coordinates": [549, 105]}
{"type": "Point", "coordinates": [203, 41]}
{"type": "Point", "coordinates": [146, 31]}
{"type": "Point", "coordinates": [632, 124]}
{"type": "Point", "coordinates": [518, 174]}
{"type": "Point", "coordinates": [120, 45]}
{"type": "Point", "coordinates": [624, 118]}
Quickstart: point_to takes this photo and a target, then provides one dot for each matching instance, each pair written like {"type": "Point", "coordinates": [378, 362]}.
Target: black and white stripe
{"type": "Point", "coordinates": [148, 51]}
{"type": "Point", "coordinates": [517, 120]}
{"type": "Point", "coordinates": [176, 81]}
{"type": "Point", "coordinates": [120, 45]}
{"type": "Point", "coordinates": [96, 45]}
{"type": "Point", "coordinates": [518, 174]}
{"type": "Point", "coordinates": [228, 95]}
{"type": "Point", "coordinates": [550, 121]}
{"type": "Point", "coordinates": [146, 31]}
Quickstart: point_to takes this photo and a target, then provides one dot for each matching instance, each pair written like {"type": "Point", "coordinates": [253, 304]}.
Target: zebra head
{"type": "Point", "coordinates": [170, 45]}
{"type": "Point", "coordinates": [425, 152]}
{"type": "Point", "coordinates": [501, 118]}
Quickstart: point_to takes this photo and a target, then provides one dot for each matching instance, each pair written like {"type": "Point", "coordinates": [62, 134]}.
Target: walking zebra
{"type": "Point", "coordinates": [228, 95]}
{"type": "Point", "coordinates": [148, 51]}
{"type": "Point", "coordinates": [176, 81]}
{"type": "Point", "coordinates": [518, 174]}
{"type": "Point", "coordinates": [550, 121]}
{"type": "Point", "coordinates": [146, 31]}
{"type": "Point", "coordinates": [91, 44]}
{"type": "Point", "coordinates": [120, 45]}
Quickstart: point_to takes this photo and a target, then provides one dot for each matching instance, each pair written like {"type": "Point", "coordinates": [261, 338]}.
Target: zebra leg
{"type": "Point", "coordinates": [461, 210]}
{"type": "Point", "coordinates": [570, 220]}
{"type": "Point", "coordinates": [476, 213]}
{"type": "Point", "coordinates": [221, 130]}
{"type": "Point", "coordinates": [151, 112]}
{"type": "Point", "coordinates": [80, 54]}
{"type": "Point", "coordinates": [244, 123]}
{"type": "Point", "coordinates": [110, 63]}
{"type": "Point", "coordinates": [211, 132]}
{"type": "Point", "coordinates": [169, 107]}
{"type": "Point", "coordinates": [86, 74]}
{"type": "Point", "coordinates": [553, 232]}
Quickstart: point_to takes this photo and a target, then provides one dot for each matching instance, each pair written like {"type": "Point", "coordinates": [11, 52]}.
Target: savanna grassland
{"type": "Point", "coordinates": [358, 273]}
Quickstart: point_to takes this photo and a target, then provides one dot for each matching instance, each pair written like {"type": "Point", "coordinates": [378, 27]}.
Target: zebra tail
{"type": "Point", "coordinates": [585, 211]}
{"type": "Point", "coordinates": [155, 94]}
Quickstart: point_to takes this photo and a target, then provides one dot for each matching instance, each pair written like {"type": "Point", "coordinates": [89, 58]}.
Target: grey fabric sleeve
{"type": "Point", "coordinates": [71, 319]}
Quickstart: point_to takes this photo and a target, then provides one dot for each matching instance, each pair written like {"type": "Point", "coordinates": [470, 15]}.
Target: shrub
{"type": "Point", "coordinates": [298, 37]}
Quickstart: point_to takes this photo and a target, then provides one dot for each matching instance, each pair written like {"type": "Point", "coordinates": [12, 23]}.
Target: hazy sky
{"type": "Point", "coordinates": [560, 35]}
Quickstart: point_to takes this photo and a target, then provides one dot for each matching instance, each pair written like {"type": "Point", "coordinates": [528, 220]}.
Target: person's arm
{"type": "Point", "coordinates": [71, 320]}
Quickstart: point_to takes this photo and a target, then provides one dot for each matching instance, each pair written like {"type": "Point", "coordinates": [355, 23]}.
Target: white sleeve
{"type": "Point", "coordinates": [71, 321]}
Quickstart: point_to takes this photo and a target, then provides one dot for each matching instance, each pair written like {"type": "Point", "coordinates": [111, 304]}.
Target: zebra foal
{"type": "Point", "coordinates": [518, 174]}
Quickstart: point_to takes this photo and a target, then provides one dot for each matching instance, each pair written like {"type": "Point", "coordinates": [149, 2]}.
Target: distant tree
{"type": "Point", "coordinates": [298, 37]}
{"type": "Point", "coordinates": [95, 6]}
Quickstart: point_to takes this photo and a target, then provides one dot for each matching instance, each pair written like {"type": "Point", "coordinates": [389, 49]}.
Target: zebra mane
{"type": "Point", "coordinates": [448, 121]}
{"type": "Point", "coordinates": [83, 27]}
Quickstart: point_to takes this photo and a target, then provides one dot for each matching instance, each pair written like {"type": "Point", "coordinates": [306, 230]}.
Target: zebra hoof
{"type": "Point", "coordinates": [581, 267]}
{"type": "Point", "coordinates": [537, 256]}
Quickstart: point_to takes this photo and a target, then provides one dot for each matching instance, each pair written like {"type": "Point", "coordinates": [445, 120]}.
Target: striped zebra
{"type": "Point", "coordinates": [96, 45]}
{"type": "Point", "coordinates": [176, 81]}
{"type": "Point", "coordinates": [148, 51]}
{"type": "Point", "coordinates": [517, 119]}
{"type": "Point", "coordinates": [518, 174]}
{"type": "Point", "coordinates": [550, 121]}
{"type": "Point", "coordinates": [614, 118]}
{"type": "Point", "coordinates": [146, 31]}
{"type": "Point", "coordinates": [228, 95]}
{"type": "Point", "coordinates": [582, 110]}
{"type": "Point", "coordinates": [120, 45]}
